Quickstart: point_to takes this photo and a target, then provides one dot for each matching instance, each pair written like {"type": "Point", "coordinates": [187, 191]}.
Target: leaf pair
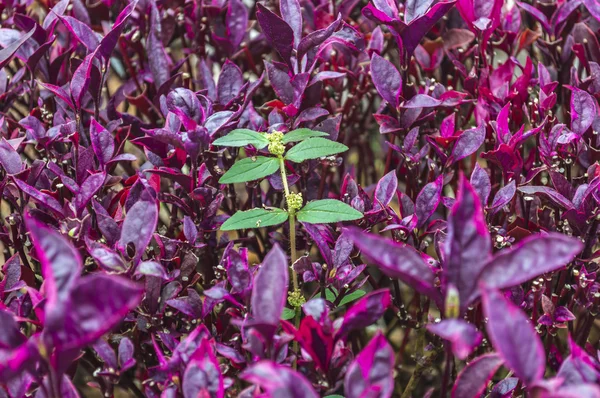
{"type": "Point", "coordinates": [315, 212]}
{"type": "Point", "coordinates": [243, 137]}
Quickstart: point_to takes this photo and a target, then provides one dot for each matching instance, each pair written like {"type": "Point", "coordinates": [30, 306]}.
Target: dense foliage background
{"type": "Point", "coordinates": [472, 129]}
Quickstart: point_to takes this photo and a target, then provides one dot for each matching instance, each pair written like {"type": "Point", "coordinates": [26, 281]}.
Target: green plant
{"type": "Point", "coordinates": [309, 144]}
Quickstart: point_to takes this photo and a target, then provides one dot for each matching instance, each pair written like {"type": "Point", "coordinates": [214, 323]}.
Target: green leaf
{"type": "Point", "coordinates": [314, 148]}
{"type": "Point", "coordinates": [355, 295]}
{"type": "Point", "coordinates": [327, 211]}
{"type": "Point", "coordinates": [243, 137]}
{"type": "Point", "coordinates": [329, 295]}
{"type": "Point", "coordinates": [255, 218]}
{"type": "Point", "coordinates": [288, 314]}
{"type": "Point", "coordinates": [250, 169]}
{"type": "Point", "coordinates": [301, 135]}
{"type": "Point", "coordinates": [335, 396]}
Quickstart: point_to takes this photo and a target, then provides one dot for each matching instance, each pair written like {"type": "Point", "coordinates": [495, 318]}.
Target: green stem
{"type": "Point", "coordinates": [292, 221]}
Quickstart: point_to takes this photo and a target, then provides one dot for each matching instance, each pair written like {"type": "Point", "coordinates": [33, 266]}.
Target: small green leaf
{"type": "Point", "coordinates": [243, 137]}
{"type": "Point", "coordinates": [314, 148]}
{"type": "Point", "coordinates": [301, 135]}
{"type": "Point", "coordinates": [335, 396]}
{"type": "Point", "coordinates": [250, 169]}
{"type": "Point", "coordinates": [327, 211]}
{"type": "Point", "coordinates": [329, 295]}
{"type": "Point", "coordinates": [288, 314]}
{"type": "Point", "coordinates": [255, 218]}
{"type": "Point", "coordinates": [355, 295]}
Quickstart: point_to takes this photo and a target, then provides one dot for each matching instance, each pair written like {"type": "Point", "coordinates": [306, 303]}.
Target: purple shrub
{"type": "Point", "coordinates": [299, 198]}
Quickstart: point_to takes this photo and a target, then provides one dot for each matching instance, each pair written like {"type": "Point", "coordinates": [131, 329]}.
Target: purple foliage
{"type": "Point", "coordinates": [300, 198]}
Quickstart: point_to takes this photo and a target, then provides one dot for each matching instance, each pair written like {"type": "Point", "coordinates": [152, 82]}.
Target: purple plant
{"type": "Point", "coordinates": [299, 198]}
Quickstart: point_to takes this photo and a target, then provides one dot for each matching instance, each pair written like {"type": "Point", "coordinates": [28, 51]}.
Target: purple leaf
{"type": "Point", "coordinates": [387, 79]}
{"type": "Point", "coordinates": [386, 189]}
{"type": "Point", "coordinates": [414, 9]}
{"type": "Point", "coordinates": [396, 261]}
{"type": "Point", "coordinates": [468, 244]}
{"type": "Point", "coordinates": [81, 80]}
{"type": "Point", "coordinates": [278, 380]}
{"type": "Point", "coordinates": [230, 82]}
{"type": "Point", "coordinates": [158, 60]}
{"type": "Point", "coordinates": [102, 142]}
{"type": "Point", "coordinates": [428, 200]}
{"type": "Point", "coordinates": [555, 197]}
{"type": "Point", "coordinates": [126, 350]}
{"type": "Point", "coordinates": [463, 336]}
{"type": "Point", "coordinates": [87, 190]}
{"type": "Point", "coordinates": [467, 143]}
{"type": "Point", "coordinates": [237, 21]}
{"type": "Point", "coordinates": [58, 10]}
{"type": "Point", "coordinates": [8, 51]}
{"type": "Point", "coordinates": [372, 371]}
{"type": "Point", "coordinates": [277, 31]}
{"type": "Point", "coordinates": [292, 14]}
{"type": "Point", "coordinates": [61, 267]}
{"type": "Point", "coordinates": [365, 311]}
{"type": "Point", "coordinates": [138, 227]}
{"type": "Point", "coordinates": [529, 259]}
{"type": "Point", "coordinates": [270, 288]}
{"type": "Point", "coordinates": [480, 180]}
{"type": "Point", "coordinates": [513, 336]}
{"type": "Point", "coordinates": [151, 268]}
{"type": "Point", "coordinates": [202, 375]}
{"type": "Point", "coordinates": [108, 42]}
{"type": "Point", "coordinates": [82, 32]}
{"type": "Point", "coordinates": [418, 28]}
{"type": "Point", "coordinates": [503, 197]}
{"type": "Point", "coordinates": [583, 111]}
{"type": "Point", "coordinates": [474, 378]}
{"type": "Point", "coordinates": [10, 158]}
{"type": "Point", "coordinates": [91, 315]}
{"type": "Point", "coordinates": [422, 101]}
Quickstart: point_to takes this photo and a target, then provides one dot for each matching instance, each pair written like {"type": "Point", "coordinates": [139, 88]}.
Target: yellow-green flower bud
{"type": "Point", "coordinates": [294, 201]}
{"type": "Point", "coordinates": [276, 146]}
{"type": "Point", "coordinates": [296, 299]}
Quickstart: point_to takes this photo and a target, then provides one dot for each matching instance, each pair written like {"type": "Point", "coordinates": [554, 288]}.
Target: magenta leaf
{"type": "Point", "coordinates": [278, 380]}
{"type": "Point", "coordinates": [236, 20]}
{"type": "Point", "coordinates": [428, 200]}
{"type": "Point", "coordinates": [467, 143]}
{"type": "Point", "coordinates": [91, 315]}
{"type": "Point", "coordinates": [468, 244]}
{"type": "Point", "coordinates": [102, 143]}
{"type": "Point", "coordinates": [87, 190]}
{"type": "Point", "coordinates": [10, 158]}
{"type": "Point", "coordinates": [474, 378]}
{"type": "Point", "coordinates": [365, 311]}
{"type": "Point", "coordinates": [463, 336]}
{"type": "Point", "coordinates": [386, 189]}
{"type": "Point", "coordinates": [292, 14]}
{"type": "Point", "coordinates": [418, 28]}
{"type": "Point", "coordinates": [480, 181]}
{"type": "Point", "coordinates": [202, 375]}
{"type": "Point", "coordinates": [503, 197]}
{"type": "Point", "coordinates": [7, 52]}
{"type": "Point", "coordinates": [81, 80]}
{"type": "Point", "coordinates": [270, 288]}
{"type": "Point", "coordinates": [529, 259]}
{"type": "Point", "coordinates": [158, 60]}
{"type": "Point", "coordinates": [513, 336]}
{"type": "Point", "coordinates": [387, 79]}
{"type": "Point", "coordinates": [61, 268]}
{"type": "Point", "coordinates": [372, 371]}
{"type": "Point", "coordinates": [396, 261]}
{"type": "Point", "coordinates": [583, 111]}
{"type": "Point", "coordinates": [138, 227]}
{"type": "Point", "coordinates": [279, 34]}
{"type": "Point", "coordinates": [108, 42]}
